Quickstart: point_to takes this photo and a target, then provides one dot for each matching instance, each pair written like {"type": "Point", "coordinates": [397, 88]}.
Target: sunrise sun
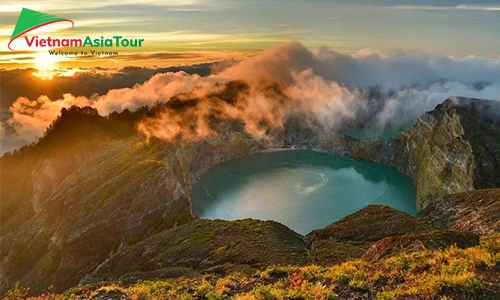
{"type": "Point", "coordinates": [45, 64]}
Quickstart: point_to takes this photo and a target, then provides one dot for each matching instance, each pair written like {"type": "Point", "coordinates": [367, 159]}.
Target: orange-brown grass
{"type": "Point", "coordinates": [417, 275]}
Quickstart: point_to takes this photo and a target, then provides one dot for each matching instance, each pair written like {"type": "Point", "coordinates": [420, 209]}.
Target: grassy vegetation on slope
{"type": "Point", "coordinates": [452, 273]}
{"type": "Point", "coordinates": [203, 245]}
{"type": "Point", "coordinates": [350, 237]}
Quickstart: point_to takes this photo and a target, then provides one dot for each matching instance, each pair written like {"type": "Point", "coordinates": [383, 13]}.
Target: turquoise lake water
{"type": "Point", "coordinates": [304, 190]}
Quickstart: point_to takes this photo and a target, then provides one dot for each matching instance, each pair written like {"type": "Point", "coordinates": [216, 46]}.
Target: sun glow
{"type": "Point", "coordinates": [45, 64]}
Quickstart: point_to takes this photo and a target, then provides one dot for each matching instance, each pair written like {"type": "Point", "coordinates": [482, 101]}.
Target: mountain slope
{"type": "Point", "coordinates": [475, 211]}
{"type": "Point", "coordinates": [205, 244]}
{"type": "Point", "coordinates": [81, 197]}
{"type": "Point", "coordinates": [351, 236]}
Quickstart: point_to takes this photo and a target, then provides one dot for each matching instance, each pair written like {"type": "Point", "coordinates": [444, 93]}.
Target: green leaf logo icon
{"type": "Point", "coordinates": [31, 19]}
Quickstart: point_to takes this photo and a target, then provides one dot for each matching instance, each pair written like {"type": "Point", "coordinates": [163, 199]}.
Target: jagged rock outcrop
{"type": "Point", "coordinates": [454, 148]}
{"type": "Point", "coordinates": [437, 154]}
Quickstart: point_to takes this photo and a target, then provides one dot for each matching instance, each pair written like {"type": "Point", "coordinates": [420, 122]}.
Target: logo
{"type": "Point", "coordinates": [30, 20]}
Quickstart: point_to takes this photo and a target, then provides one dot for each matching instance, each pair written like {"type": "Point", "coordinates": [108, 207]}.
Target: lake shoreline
{"type": "Point", "coordinates": [303, 189]}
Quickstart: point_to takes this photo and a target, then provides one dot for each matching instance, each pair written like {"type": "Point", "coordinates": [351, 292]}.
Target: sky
{"type": "Point", "coordinates": [191, 31]}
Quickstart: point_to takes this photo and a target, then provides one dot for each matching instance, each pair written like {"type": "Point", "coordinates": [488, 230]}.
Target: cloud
{"type": "Point", "coordinates": [370, 88]}
{"type": "Point", "coordinates": [83, 82]}
{"type": "Point", "coordinates": [9, 6]}
{"type": "Point", "coordinates": [448, 8]}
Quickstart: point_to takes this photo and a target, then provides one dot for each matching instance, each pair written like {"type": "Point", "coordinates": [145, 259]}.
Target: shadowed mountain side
{"type": "Point", "coordinates": [34, 171]}
{"type": "Point", "coordinates": [475, 211]}
{"type": "Point", "coordinates": [450, 273]}
{"type": "Point", "coordinates": [85, 191]}
{"type": "Point", "coordinates": [482, 127]}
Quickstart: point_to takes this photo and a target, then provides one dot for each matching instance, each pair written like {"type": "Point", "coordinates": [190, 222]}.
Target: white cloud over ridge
{"type": "Point", "coordinates": [388, 89]}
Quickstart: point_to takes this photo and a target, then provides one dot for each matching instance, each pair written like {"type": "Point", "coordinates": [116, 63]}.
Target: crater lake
{"type": "Point", "coordinates": [301, 189]}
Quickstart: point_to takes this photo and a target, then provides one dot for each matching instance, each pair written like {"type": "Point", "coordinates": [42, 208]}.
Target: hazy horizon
{"type": "Point", "coordinates": [194, 31]}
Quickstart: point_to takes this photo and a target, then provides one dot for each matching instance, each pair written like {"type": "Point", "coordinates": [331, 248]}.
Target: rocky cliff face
{"type": "Point", "coordinates": [481, 123]}
{"type": "Point", "coordinates": [452, 149]}
{"type": "Point", "coordinates": [437, 154]}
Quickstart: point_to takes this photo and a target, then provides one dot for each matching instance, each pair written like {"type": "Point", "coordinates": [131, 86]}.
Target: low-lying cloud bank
{"type": "Point", "coordinates": [370, 88]}
{"type": "Point", "coordinates": [82, 82]}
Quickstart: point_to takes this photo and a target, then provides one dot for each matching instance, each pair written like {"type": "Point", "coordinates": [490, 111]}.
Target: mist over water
{"type": "Point", "coordinates": [304, 190]}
